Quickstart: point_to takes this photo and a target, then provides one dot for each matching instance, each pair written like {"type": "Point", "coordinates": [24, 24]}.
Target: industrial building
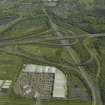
{"type": "Point", "coordinates": [41, 81]}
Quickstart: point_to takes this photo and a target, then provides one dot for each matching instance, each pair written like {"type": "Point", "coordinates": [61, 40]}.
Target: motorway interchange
{"type": "Point", "coordinates": [63, 43]}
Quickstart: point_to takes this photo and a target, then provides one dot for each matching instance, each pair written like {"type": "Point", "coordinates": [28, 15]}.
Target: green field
{"type": "Point", "coordinates": [9, 66]}
{"type": "Point", "coordinates": [31, 102]}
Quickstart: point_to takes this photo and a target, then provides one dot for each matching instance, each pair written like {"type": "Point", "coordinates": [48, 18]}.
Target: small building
{"type": "Point", "coordinates": [47, 81]}
{"type": "Point", "coordinates": [5, 84]}
{"type": "Point", "coordinates": [50, 2]}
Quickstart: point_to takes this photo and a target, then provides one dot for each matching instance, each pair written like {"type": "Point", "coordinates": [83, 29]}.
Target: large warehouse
{"type": "Point", "coordinates": [43, 81]}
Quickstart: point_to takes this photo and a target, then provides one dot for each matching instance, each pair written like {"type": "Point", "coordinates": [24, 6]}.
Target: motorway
{"type": "Point", "coordinates": [76, 59]}
{"type": "Point", "coordinates": [93, 56]}
{"type": "Point", "coordinates": [34, 39]}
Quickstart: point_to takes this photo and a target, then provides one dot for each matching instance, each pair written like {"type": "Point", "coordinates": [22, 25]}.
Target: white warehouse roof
{"type": "Point", "coordinates": [60, 88]}
{"type": "Point", "coordinates": [38, 68]}
{"type": "Point", "coordinates": [60, 82]}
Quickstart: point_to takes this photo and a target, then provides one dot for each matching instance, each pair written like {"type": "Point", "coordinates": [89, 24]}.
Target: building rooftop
{"type": "Point", "coordinates": [48, 81]}
{"type": "Point", "coordinates": [38, 68]}
{"type": "Point", "coordinates": [5, 84]}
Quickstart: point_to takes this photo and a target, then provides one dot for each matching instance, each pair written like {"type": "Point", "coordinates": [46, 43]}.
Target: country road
{"type": "Point", "coordinates": [76, 59]}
